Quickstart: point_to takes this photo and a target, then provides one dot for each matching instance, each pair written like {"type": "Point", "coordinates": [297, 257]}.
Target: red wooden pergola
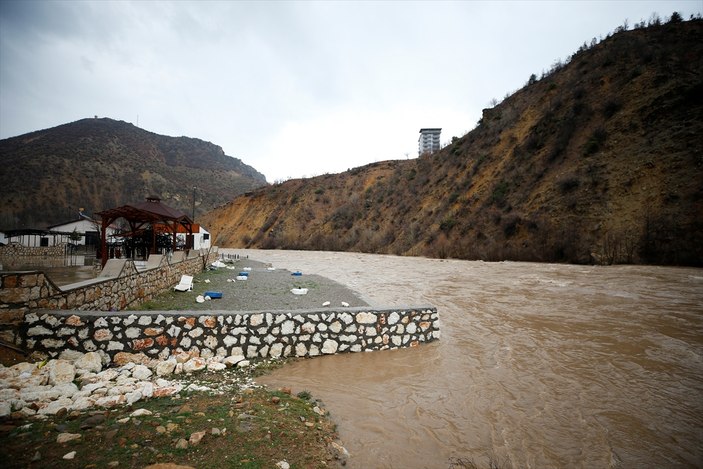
{"type": "Point", "coordinates": [149, 213]}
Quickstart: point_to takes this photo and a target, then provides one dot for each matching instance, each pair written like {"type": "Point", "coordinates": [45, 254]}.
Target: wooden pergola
{"type": "Point", "coordinates": [149, 213]}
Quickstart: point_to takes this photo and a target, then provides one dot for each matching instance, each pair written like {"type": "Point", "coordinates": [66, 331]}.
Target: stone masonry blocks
{"type": "Point", "coordinates": [258, 334]}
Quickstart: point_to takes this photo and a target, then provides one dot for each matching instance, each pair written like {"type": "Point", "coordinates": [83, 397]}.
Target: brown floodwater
{"type": "Point", "coordinates": [538, 365]}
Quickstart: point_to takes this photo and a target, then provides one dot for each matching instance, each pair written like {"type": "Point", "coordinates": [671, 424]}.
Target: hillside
{"type": "Point", "coordinates": [98, 164]}
{"type": "Point", "coordinates": [599, 160]}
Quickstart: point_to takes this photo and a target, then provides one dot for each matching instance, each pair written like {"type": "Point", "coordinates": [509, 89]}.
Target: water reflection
{"type": "Point", "coordinates": [61, 270]}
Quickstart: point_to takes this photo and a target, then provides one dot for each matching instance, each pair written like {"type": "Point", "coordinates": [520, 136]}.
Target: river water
{"type": "Point", "coordinates": [538, 365]}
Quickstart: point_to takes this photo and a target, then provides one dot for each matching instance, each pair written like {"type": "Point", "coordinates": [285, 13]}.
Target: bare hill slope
{"type": "Point", "coordinates": [600, 160]}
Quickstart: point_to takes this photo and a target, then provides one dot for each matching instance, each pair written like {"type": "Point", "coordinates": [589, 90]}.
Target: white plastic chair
{"type": "Point", "coordinates": [186, 283]}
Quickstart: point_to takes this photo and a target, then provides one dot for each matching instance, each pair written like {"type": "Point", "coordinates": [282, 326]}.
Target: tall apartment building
{"type": "Point", "coordinates": [428, 141]}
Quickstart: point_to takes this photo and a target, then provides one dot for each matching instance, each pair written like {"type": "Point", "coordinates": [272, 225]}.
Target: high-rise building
{"type": "Point", "coordinates": [428, 141]}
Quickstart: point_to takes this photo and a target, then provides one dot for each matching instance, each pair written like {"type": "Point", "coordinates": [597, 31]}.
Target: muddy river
{"type": "Point", "coordinates": [538, 366]}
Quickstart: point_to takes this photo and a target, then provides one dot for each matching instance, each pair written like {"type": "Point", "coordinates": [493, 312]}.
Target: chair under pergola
{"type": "Point", "coordinates": [150, 213]}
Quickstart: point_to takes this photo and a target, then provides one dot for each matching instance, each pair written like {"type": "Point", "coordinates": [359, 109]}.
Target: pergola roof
{"type": "Point", "coordinates": [149, 211]}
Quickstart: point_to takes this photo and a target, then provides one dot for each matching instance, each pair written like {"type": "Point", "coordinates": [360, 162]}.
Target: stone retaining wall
{"type": "Point", "coordinates": [250, 334]}
{"type": "Point", "coordinates": [119, 286]}
{"type": "Point", "coordinates": [18, 251]}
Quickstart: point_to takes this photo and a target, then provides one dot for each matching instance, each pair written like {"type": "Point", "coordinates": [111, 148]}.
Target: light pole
{"type": "Point", "coordinates": [193, 219]}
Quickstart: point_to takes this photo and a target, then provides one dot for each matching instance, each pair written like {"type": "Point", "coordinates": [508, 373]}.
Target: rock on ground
{"type": "Point", "coordinates": [48, 388]}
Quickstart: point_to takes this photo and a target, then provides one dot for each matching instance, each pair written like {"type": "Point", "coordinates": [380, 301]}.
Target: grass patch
{"type": "Point", "coordinates": [171, 300]}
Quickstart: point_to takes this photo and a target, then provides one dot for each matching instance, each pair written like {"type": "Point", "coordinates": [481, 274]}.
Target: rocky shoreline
{"type": "Point", "coordinates": [79, 401]}
{"type": "Point", "coordinates": [78, 382]}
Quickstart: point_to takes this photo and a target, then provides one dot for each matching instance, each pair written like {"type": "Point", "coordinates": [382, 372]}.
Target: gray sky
{"type": "Point", "coordinates": [291, 88]}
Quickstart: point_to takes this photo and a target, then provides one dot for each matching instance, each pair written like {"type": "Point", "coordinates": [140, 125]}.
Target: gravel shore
{"type": "Point", "coordinates": [266, 288]}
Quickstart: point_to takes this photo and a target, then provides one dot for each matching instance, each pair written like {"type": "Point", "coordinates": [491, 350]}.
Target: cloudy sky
{"type": "Point", "coordinates": [293, 89]}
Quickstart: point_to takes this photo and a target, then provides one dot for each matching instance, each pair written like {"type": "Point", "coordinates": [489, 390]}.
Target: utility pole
{"type": "Point", "coordinates": [193, 219]}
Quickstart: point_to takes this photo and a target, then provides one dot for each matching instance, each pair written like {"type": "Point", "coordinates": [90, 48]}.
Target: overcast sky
{"type": "Point", "coordinates": [291, 88]}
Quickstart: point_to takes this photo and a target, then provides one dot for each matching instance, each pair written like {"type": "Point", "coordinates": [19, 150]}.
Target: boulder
{"type": "Point", "coordinates": [183, 357]}
{"type": "Point", "coordinates": [166, 391]}
{"type": "Point", "coordinates": [214, 366]}
{"type": "Point", "coordinates": [232, 360]}
{"type": "Point", "coordinates": [194, 364]}
{"type": "Point", "coordinates": [339, 451]}
{"type": "Point", "coordinates": [107, 375]}
{"type": "Point", "coordinates": [60, 405]}
{"type": "Point", "coordinates": [5, 409]}
{"type": "Point", "coordinates": [146, 388]}
{"type": "Point", "coordinates": [90, 362]}
{"type": "Point", "coordinates": [82, 403]}
{"type": "Point", "coordinates": [196, 437]}
{"type": "Point", "coordinates": [61, 371]}
{"type": "Point", "coordinates": [70, 355]}
{"type": "Point", "coordinates": [133, 397]}
{"type": "Point", "coordinates": [122, 358]}
{"type": "Point", "coordinates": [48, 388]}
{"type": "Point", "coordinates": [66, 437]}
{"type": "Point", "coordinates": [166, 368]}
{"type": "Point", "coordinates": [66, 389]}
{"type": "Point", "coordinates": [111, 401]}
{"type": "Point", "coordinates": [141, 372]}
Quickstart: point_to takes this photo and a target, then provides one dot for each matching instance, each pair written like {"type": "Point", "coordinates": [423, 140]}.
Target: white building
{"type": "Point", "coordinates": [428, 141]}
{"type": "Point", "coordinates": [87, 229]}
{"type": "Point", "coordinates": [201, 238]}
{"type": "Point", "coordinates": [29, 237]}
{"type": "Point", "coordinates": [80, 232]}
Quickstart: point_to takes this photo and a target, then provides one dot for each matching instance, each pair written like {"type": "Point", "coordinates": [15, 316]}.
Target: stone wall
{"type": "Point", "coordinates": [119, 286]}
{"type": "Point", "coordinates": [160, 334]}
{"type": "Point", "coordinates": [17, 251]}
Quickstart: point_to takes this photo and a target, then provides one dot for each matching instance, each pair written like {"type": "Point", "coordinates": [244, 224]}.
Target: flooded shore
{"type": "Point", "coordinates": [539, 365]}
